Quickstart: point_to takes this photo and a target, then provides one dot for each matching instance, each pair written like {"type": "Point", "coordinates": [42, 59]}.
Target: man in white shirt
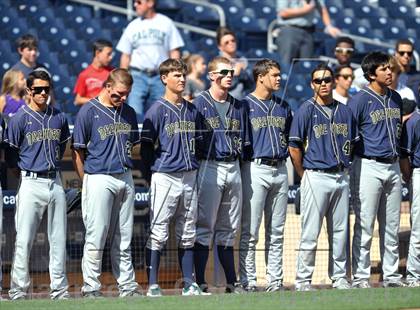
{"type": "Point", "coordinates": [147, 41]}
{"type": "Point", "coordinates": [343, 76]}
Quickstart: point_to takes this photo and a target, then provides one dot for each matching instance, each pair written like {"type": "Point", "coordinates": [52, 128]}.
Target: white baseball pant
{"type": "Point", "coordinates": [413, 260]}
{"type": "Point", "coordinates": [376, 192]}
{"type": "Point", "coordinates": [323, 195]}
{"type": "Point", "coordinates": [107, 209]}
{"type": "Point", "coordinates": [219, 202]}
{"type": "Point", "coordinates": [35, 195]}
{"type": "Point", "coordinates": [265, 190]}
{"type": "Point", "coordinates": [173, 195]}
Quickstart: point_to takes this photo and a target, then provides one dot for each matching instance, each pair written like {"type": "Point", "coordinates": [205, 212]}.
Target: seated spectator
{"type": "Point", "coordinates": [196, 69]}
{"type": "Point", "coordinates": [344, 49]}
{"type": "Point", "coordinates": [27, 47]}
{"type": "Point", "coordinates": [242, 82]}
{"type": "Point", "coordinates": [398, 85]}
{"type": "Point", "coordinates": [343, 79]}
{"type": "Point", "coordinates": [12, 92]}
{"type": "Point", "coordinates": [90, 81]}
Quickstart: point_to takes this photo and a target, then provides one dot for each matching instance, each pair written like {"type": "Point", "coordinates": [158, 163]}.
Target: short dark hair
{"type": "Point", "coordinates": [37, 75]}
{"type": "Point", "coordinates": [223, 31]}
{"type": "Point", "coordinates": [99, 45]}
{"type": "Point", "coordinates": [341, 67]}
{"type": "Point", "coordinates": [263, 66]}
{"type": "Point", "coordinates": [403, 42]}
{"type": "Point", "coordinates": [322, 67]}
{"type": "Point", "coordinates": [171, 65]}
{"type": "Point", "coordinates": [372, 61]}
{"type": "Point", "coordinates": [344, 40]}
{"type": "Point", "coordinates": [27, 41]}
{"type": "Point", "coordinates": [408, 106]}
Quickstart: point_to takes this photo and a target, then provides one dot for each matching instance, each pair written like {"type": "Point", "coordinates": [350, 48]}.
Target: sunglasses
{"type": "Point", "coordinates": [327, 80]}
{"type": "Point", "coordinates": [402, 53]}
{"type": "Point", "coordinates": [225, 72]}
{"type": "Point", "coordinates": [38, 90]}
{"type": "Point", "coordinates": [346, 76]}
{"type": "Point", "coordinates": [344, 50]}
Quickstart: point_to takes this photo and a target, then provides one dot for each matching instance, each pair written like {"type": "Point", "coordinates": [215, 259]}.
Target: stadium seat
{"type": "Point", "coordinates": [202, 15]}
{"type": "Point", "coordinates": [170, 8]}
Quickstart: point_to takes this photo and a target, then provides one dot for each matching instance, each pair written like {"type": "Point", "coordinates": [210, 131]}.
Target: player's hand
{"type": "Point", "coordinates": [332, 31]}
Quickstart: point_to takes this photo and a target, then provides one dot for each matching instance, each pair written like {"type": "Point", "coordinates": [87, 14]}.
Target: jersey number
{"type": "Point", "coordinates": [192, 146]}
{"type": "Point", "coordinates": [128, 148]}
{"type": "Point", "coordinates": [347, 148]}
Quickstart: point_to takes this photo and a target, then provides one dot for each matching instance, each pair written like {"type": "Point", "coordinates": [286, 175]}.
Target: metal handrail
{"type": "Point", "coordinates": [271, 46]}
{"type": "Point", "coordinates": [131, 13]}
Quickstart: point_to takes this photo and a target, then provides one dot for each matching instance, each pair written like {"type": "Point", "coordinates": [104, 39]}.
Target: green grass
{"type": "Point", "coordinates": [397, 298]}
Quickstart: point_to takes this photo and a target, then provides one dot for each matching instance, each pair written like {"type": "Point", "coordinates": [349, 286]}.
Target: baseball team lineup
{"type": "Point", "coordinates": [216, 167]}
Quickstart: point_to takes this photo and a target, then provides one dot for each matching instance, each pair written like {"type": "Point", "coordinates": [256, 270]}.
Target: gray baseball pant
{"type": "Point", "coordinates": [376, 192]}
{"type": "Point", "coordinates": [173, 195]}
{"type": "Point", "coordinates": [35, 195]}
{"type": "Point", "coordinates": [219, 202]}
{"type": "Point", "coordinates": [265, 190]}
{"type": "Point", "coordinates": [413, 260]}
{"type": "Point", "coordinates": [107, 209]}
{"type": "Point", "coordinates": [323, 195]}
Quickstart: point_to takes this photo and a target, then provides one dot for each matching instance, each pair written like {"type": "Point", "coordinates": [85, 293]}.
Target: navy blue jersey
{"type": "Point", "coordinates": [326, 142]}
{"type": "Point", "coordinates": [410, 141]}
{"type": "Point", "coordinates": [175, 130]}
{"type": "Point", "coordinates": [40, 138]}
{"type": "Point", "coordinates": [107, 135]}
{"type": "Point", "coordinates": [379, 123]}
{"type": "Point", "coordinates": [269, 123]}
{"type": "Point", "coordinates": [220, 141]}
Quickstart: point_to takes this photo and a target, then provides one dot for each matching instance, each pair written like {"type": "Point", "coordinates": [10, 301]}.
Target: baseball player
{"type": "Point", "coordinates": [174, 125]}
{"type": "Point", "coordinates": [264, 177]}
{"type": "Point", "coordinates": [376, 181]}
{"type": "Point", "coordinates": [104, 134]}
{"type": "Point", "coordinates": [219, 179]}
{"type": "Point", "coordinates": [39, 132]}
{"type": "Point", "coordinates": [321, 137]}
{"type": "Point", "coordinates": [410, 167]}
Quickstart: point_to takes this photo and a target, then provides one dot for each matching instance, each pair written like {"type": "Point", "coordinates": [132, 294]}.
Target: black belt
{"type": "Point", "coordinates": [148, 72]}
{"type": "Point", "coordinates": [273, 162]}
{"type": "Point", "coordinates": [227, 158]}
{"type": "Point", "coordinates": [335, 169]}
{"type": "Point", "coordinates": [45, 174]}
{"type": "Point", "coordinates": [385, 160]}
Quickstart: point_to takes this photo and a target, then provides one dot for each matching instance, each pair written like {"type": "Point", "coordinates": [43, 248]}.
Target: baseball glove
{"type": "Point", "coordinates": [73, 199]}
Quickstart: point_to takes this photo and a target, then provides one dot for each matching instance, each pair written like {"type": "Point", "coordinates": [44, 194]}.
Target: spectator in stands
{"type": "Point", "coordinates": [12, 92]}
{"type": "Point", "coordinates": [27, 47]}
{"type": "Point", "coordinates": [295, 18]}
{"type": "Point", "coordinates": [398, 85]}
{"type": "Point", "coordinates": [242, 82]}
{"type": "Point", "coordinates": [90, 81]}
{"type": "Point", "coordinates": [344, 48]}
{"type": "Point", "coordinates": [196, 69]}
{"type": "Point", "coordinates": [146, 42]}
{"type": "Point", "coordinates": [343, 75]}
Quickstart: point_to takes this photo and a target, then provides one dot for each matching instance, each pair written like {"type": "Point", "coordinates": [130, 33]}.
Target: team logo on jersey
{"type": "Point", "coordinates": [269, 121]}
{"type": "Point", "coordinates": [113, 129]}
{"type": "Point", "coordinates": [340, 129]}
{"type": "Point", "coordinates": [43, 134]}
{"type": "Point", "coordinates": [381, 114]}
{"type": "Point", "coordinates": [212, 122]}
{"type": "Point", "coordinates": [178, 127]}
{"type": "Point", "coordinates": [320, 130]}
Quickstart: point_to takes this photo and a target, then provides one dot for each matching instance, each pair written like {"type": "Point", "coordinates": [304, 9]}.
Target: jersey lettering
{"type": "Point", "coordinates": [320, 130]}
{"type": "Point", "coordinates": [381, 114]}
{"type": "Point", "coordinates": [233, 124]}
{"type": "Point", "coordinates": [340, 129]}
{"type": "Point", "coordinates": [213, 122]}
{"type": "Point", "coordinates": [113, 129]}
{"type": "Point", "coordinates": [269, 121]}
{"type": "Point", "coordinates": [179, 126]}
{"type": "Point", "coordinates": [43, 134]}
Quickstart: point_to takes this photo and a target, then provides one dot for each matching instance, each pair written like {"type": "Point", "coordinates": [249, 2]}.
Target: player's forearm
{"type": "Point", "coordinates": [297, 160]}
{"type": "Point", "coordinates": [175, 54]}
{"type": "Point", "coordinates": [405, 169]}
{"type": "Point", "coordinates": [78, 162]}
{"type": "Point", "coordinates": [125, 61]}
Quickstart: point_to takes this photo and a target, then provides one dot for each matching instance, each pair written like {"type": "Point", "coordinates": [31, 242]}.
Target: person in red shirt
{"type": "Point", "coordinates": [90, 81]}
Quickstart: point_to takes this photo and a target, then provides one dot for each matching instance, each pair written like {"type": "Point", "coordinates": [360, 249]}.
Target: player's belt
{"type": "Point", "coordinates": [46, 174]}
{"type": "Point", "coordinates": [148, 72]}
{"type": "Point", "coordinates": [335, 169]}
{"type": "Point", "coordinates": [273, 162]}
{"type": "Point", "coordinates": [384, 160]}
{"type": "Point", "coordinates": [227, 158]}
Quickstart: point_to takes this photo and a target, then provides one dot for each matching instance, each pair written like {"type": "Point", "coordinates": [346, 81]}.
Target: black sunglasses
{"type": "Point", "coordinates": [327, 80]}
{"type": "Point", "coordinates": [401, 53]}
{"type": "Point", "coordinates": [38, 90]}
{"type": "Point", "coordinates": [225, 72]}
{"type": "Point", "coordinates": [346, 76]}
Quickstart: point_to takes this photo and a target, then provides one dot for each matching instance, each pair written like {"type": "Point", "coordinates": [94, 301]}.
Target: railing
{"type": "Point", "coordinates": [130, 13]}
{"type": "Point", "coordinates": [271, 46]}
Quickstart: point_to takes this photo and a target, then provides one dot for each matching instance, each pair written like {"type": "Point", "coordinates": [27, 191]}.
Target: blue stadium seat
{"type": "Point", "coordinates": [170, 8]}
{"type": "Point", "coordinates": [202, 15]}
